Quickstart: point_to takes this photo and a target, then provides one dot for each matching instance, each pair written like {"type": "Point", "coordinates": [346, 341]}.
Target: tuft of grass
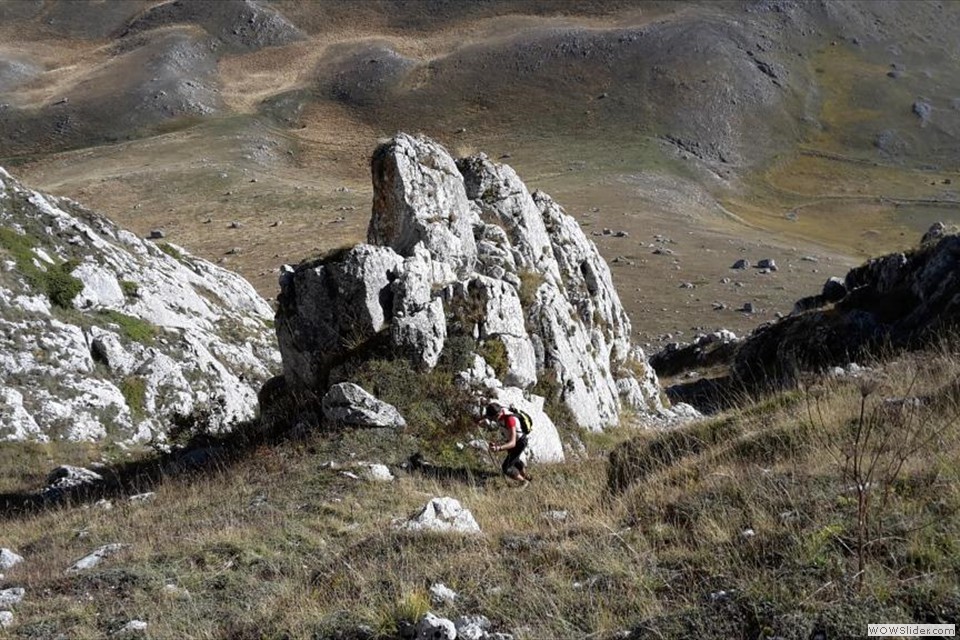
{"type": "Point", "coordinates": [134, 390]}
{"type": "Point", "coordinates": [133, 328]}
{"type": "Point", "coordinates": [530, 282]}
{"type": "Point", "coordinates": [130, 289]}
{"type": "Point", "coordinates": [171, 251]}
{"type": "Point", "coordinates": [54, 280]}
{"type": "Point", "coordinates": [495, 353]}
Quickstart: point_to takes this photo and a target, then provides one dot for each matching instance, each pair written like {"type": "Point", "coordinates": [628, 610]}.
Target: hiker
{"type": "Point", "coordinates": [516, 439]}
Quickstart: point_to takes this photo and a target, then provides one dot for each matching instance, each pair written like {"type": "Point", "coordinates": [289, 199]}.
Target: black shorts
{"type": "Point", "coordinates": [513, 464]}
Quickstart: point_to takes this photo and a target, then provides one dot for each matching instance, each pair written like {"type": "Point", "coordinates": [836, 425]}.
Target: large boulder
{"type": "Point", "coordinates": [348, 404]}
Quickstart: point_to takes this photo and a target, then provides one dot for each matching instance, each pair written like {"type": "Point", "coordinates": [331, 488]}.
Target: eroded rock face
{"type": "Point", "coordinates": [105, 335]}
{"type": "Point", "coordinates": [419, 197]}
{"type": "Point", "coordinates": [475, 257]}
{"type": "Point", "coordinates": [329, 307]}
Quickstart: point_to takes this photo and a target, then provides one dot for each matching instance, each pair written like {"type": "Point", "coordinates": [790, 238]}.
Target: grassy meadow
{"type": "Point", "coordinates": [747, 524]}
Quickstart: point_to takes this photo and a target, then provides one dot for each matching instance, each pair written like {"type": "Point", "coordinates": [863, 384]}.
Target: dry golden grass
{"type": "Point", "coordinates": [281, 544]}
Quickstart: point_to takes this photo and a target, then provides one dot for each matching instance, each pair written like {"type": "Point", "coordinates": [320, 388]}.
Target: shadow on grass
{"type": "Point", "coordinates": [202, 454]}
{"type": "Point", "coordinates": [450, 475]}
{"type": "Point", "coordinates": [708, 395]}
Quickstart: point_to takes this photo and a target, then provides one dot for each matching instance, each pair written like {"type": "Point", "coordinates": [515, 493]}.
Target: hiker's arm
{"type": "Point", "coordinates": [512, 428]}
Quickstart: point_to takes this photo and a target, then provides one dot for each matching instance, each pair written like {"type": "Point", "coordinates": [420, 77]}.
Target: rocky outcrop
{"type": "Point", "coordinates": [706, 350]}
{"type": "Point", "coordinates": [461, 252]}
{"type": "Point", "coordinates": [901, 300]}
{"type": "Point", "coordinates": [105, 335]}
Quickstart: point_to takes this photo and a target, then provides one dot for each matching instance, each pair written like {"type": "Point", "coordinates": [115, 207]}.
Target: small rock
{"type": "Point", "coordinates": [433, 627]}
{"type": "Point", "coordinates": [143, 497]}
{"type": "Point", "coordinates": [443, 514]}
{"type": "Point", "coordinates": [748, 533]}
{"type": "Point", "coordinates": [747, 307]}
{"type": "Point", "coordinates": [441, 594]}
{"type": "Point", "coordinates": [741, 264]}
{"type": "Point", "coordinates": [234, 225]}
{"type": "Point", "coordinates": [767, 263]}
{"type": "Point", "coordinates": [936, 231]}
{"type": "Point", "coordinates": [472, 627]}
{"type": "Point", "coordinates": [173, 591]}
{"type": "Point", "coordinates": [810, 259]}
{"type": "Point", "coordinates": [95, 558]}
{"type": "Point", "coordinates": [378, 473]}
{"type": "Point", "coordinates": [834, 289]}
{"type": "Point", "coordinates": [6, 619]}
{"type": "Point", "coordinates": [232, 251]}
{"type": "Point", "coordinates": [719, 306]}
{"type": "Point", "coordinates": [8, 559]}
{"type": "Point", "coordinates": [133, 629]}
{"type": "Point", "coordinates": [156, 234]}
{"type": "Point", "coordinates": [10, 597]}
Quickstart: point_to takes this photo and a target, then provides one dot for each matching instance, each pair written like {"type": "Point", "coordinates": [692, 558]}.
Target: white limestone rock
{"type": "Point", "coordinates": [442, 594]}
{"type": "Point", "coordinates": [142, 305]}
{"type": "Point", "coordinates": [6, 619]}
{"type": "Point", "coordinates": [433, 627]}
{"type": "Point", "coordinates": [443, 515]}
{"type": "Point", "coordinates": [11, 597]}
{"type": "Point", "coordinates": [329, 308]}
{"type": "Point", "coordinates": [472, 627]}
{"type": "Point", "coordinates": [9, 559]}
{"type": "Point", "coordinates": [96, 557]}
{"type": "Point", "coordinates": [132, 629]}
{"type": "Point", "coordinates": [349, 404]}
{"type": "Point", "coordinates": [378, 473]}
{"type": "Point", "coordinates": [420, 198]}
{"type": "Point", "coordinates": [67, 477]}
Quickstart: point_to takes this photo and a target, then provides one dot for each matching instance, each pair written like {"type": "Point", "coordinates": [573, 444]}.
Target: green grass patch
{"type": "Point", "coordinates": [55, 280]}
{"type": "Point", "coordinates": [495, 353]}
{"type": "Point", "coordinates": [133, 328]}
{"type": "Point", "coordinates": [134, 390]}
{"type": "Point", "coordinates": [170, 250]}
{"type": "Point", "coordinates": [130, 289]}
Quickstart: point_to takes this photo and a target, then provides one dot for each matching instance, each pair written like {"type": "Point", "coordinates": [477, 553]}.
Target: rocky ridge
{"type": "Point", "coordinates": [104, 335]}
{"type": "Point", "coordinates": [904, 300]}
{"type": "Point", "coordinates": [462, 251]}
{"type": "Point", "coordinates": [900, 300]}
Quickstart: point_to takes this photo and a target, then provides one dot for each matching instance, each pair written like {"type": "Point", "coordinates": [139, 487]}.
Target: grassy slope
{"type": "Point", "coordinates": [281, 544]}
